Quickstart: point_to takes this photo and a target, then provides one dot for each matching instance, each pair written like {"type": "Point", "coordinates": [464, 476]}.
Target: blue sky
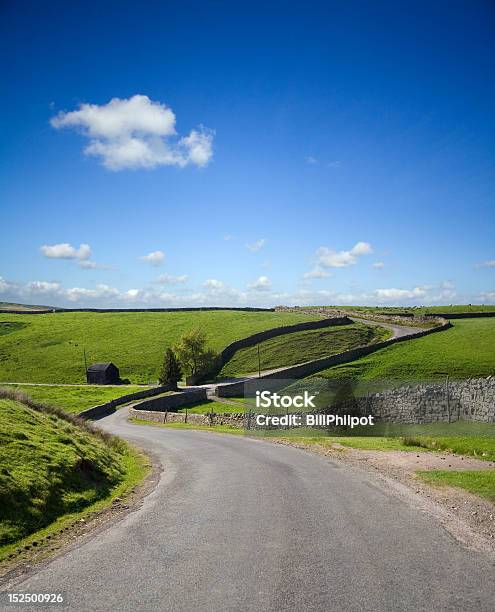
{"type": "Point", "coordinates": [317, 153]}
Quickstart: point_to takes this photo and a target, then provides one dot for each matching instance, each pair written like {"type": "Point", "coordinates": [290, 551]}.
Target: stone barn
{"type": "Point", "coordinates": [103, 374]}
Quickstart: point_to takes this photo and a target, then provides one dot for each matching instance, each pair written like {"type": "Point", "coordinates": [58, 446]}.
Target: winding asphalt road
{"type": "Point", "coordinates": [242, 524]}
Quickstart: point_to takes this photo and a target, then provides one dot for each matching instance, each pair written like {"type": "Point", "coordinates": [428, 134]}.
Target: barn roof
{"type": "Point", "coordinates": [100, 367]}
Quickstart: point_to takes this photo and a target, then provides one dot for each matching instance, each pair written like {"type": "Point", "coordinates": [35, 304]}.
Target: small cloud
{"type": "Point", "coordinates": [311, 160]}
{"type": "Point", "coordinates": [378, 265]}
{"type": "Point", "coordinates": [263, 283]}
{"type": "Point", "coordinates": [64, 250]}
{"type": "Point", "coordinates": [447, 285]}
{"type": "Point", "coordinates": [334, 164]}
{"type": "Point", "coordinates": [213, 285]}
{"type": "Point", "coordinates": [327, 258]}
{"type": "Point", "coordinates": [489, 264]}
{"type": "Point", "coordinates": [168, 279]}
{"type": "Point", "coordinates": [317, 272]}
{"type": "Point", "coordinates": [399, 294]}
{"type": "Point", "coordinates": [256, 246]}
{"type": "Point", "coordinates": [93, 265]}
{"type": "Point", "coordinates": [155, 258]}
{"type": "Point", "coordinates": [228, 237]}
{"type": "Point", "coordinates": [136, 132]}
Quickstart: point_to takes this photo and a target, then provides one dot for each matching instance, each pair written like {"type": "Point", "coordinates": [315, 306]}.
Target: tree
{"type": "Point", "coordinates": [192, 352]}
{"type": "Point", "coordinates": [171, 371]}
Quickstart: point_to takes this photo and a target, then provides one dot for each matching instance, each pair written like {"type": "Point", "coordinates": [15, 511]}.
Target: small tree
{"type": "Point", "coordinates": [171, 371]}
{"type": "Point", "coordinates": [192, 352]}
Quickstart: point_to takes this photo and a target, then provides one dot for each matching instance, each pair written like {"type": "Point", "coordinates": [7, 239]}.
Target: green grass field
{"type": "Point", "coordinates": [51, 468]}
{"type": "Point", "coordinates": [298, 347]}
{"type": "Point", "coordinates": [418, 310]}
{"type": "Point", "coordinates": [48, 348]}
{"type": "Point", "coordinates": [465, 350]}
{"type": "Point", "coordinates": [75, 399]}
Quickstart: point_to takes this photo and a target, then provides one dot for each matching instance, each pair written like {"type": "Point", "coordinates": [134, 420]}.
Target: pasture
{"type": "Point", "coordinates": [48, 348]}
{"type": "Point", "coordinates": [466, 350]}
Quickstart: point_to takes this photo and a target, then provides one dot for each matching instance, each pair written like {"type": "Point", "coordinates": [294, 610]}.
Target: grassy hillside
{"type": "Point", "coordinates": [298, 347]}
{"type": "Point", "coordinates": [418, 310]}
{"type": "Point", "coordinates": [50, 467]}
{"type": "Point", "coordinates": [467, 349]}
{"type": "Point", "coordinates": [74, 399]}
{"type": "Point", "coordinates": [49, 347]}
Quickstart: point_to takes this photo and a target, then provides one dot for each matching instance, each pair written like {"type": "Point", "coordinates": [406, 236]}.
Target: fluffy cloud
{"type": "Point", "coordinates": [155, 258]}
{"type": "Point", "coordinates": [401, 294]}
{"type": "Point", "coordinates": [490, 263]}
{"type": "Point", "coordinates": [65, 250]}
{"type": "Point", "coordinates": [136, 133]}
{"type": "Point", "coordinates": [256, 246]}
{"type": "Point", "coordinates": [262, 283]}
{"type": "Point", "coordinates": [317, 272]}
{"type": "Point", "coordinates": [168, 279]}
{"type": "Point", "coordinates": [327, 258]}
{"type": "Point", "coordinates": [378, 265]}
{"type": "Point", "coordinates": [213, 284]}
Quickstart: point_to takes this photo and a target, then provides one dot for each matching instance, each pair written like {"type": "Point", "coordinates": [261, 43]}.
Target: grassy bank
{"type": "Point", "coordinates": [465, 350]}
{"type": "Point", "coordinates": [479, 482]}
{"type": "Point", "coordinates": [54, 469]}
{"type": "Point", "coordinates": [134, 341]}
{"type": "Point", "coordinates": [74, 399]}
{"type": "Point", "coordinates": [298, 347]}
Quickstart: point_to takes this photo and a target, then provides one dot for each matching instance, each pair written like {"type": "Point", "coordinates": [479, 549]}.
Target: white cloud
{"type": "Point", "coordinates": [311, 160]}
{"type": "Point", "coordinates": [155, 258]}
{"type": "Point", "coordinates": [77, 294]}
{"type": "Point", "coordinates": [341, 259]}
{"type": "Point", "coordinates": [334, 164]}
{"type": "Point", "coordinates": [490, 263]}
{"type": "Point", "coordinates": [65, 250]}
{"type": "Point", "coordinates": [213, 285]}
{"type": "Point", "coordinates": [136, 133]}
{"type": "Point", "coordinates": [168, 279]}
{"type": "Point", "coordinates": [447, 285]}
{"type": "Point", "coordinates": [262, 283]}
{"type": "Point", "coordinates": [93, 265]}
{"type": "Point", "coordinates": [378, 265]}
{"type": "Point", "coordinates": [400, 294]}
{"type": "Point", "coordinates": [256, 246]}
{"type": "Point", "coordinates": [228, 237]}
{"type": "Point", "coordinates": [361, 248]}
{"type": "Point", "coordinates": [317, 272]}
{"type": "Point", "coordinates": [42, 287]}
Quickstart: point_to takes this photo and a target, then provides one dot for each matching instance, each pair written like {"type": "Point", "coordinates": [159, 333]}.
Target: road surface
{"type": "Point", "coordinates": [240, 524]}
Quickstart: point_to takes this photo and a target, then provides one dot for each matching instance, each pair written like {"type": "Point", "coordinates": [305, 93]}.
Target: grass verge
{"type": "Point", "coordinates": [213, 429]}
{"type": "Point", "coordinates": [479, 482]}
